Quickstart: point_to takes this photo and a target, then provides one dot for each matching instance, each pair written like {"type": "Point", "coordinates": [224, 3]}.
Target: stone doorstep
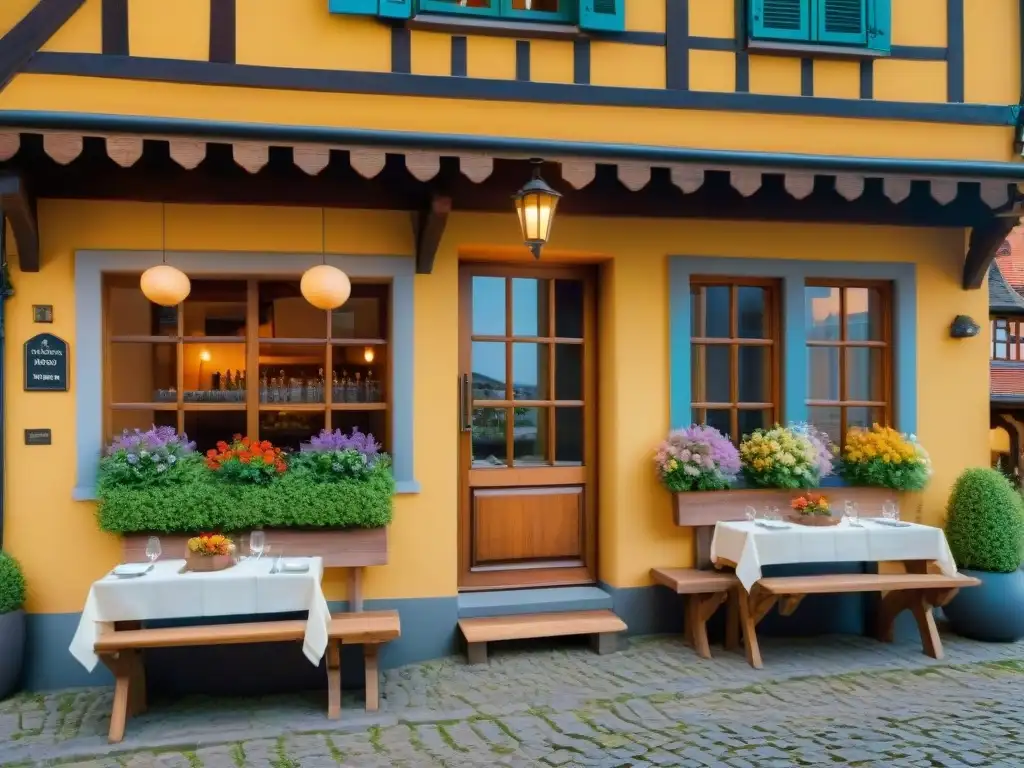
{"type": "Point", "coordinates": [515, 602]}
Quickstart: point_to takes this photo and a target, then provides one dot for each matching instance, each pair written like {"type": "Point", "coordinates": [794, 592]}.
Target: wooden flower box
{"type": "Point", "coordinates": [351, 548]}
{"type": "Point", "coordinates": [700, 508]}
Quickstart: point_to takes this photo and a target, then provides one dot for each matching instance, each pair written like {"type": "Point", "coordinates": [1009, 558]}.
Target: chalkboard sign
{"type": "Point", "coordinates": [46, 364]}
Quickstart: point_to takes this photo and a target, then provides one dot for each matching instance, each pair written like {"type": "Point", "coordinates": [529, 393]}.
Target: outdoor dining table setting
{"type": "Point", "coordinates": [927, 577]}
{"type": "Point", "coordinates": [165, 589]}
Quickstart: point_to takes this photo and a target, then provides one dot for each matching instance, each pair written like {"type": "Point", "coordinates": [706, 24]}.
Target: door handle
{"type": "Point", "coordinates": [465, 397]}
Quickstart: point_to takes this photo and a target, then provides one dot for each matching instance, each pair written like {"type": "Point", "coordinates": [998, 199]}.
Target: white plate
{"type": "Point", "coordinates": [772, 525]}
{"type": "Point", "coordinates": [296, 566]}
{"type": "Point", "coordinates": [130, 570]}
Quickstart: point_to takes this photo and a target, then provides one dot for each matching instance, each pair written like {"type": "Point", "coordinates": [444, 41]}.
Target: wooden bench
{"type": "Point", "coordinates": [603, 625]}
{"type": "Point", "coordinates": [121, 651]}
{"type": "Point", "coordinates": [705, 591]}
{"type": "Point", "coordinates": [916, 591]}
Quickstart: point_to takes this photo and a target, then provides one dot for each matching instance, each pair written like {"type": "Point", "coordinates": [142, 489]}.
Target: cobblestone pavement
{"type": "Point", "coordinates": [827, 701]}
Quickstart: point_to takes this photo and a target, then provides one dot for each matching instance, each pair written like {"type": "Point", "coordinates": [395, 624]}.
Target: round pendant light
{"type": "Point", "coordinates": [324, 286]}
{"type": "Point", "coordinates": [163, 284]}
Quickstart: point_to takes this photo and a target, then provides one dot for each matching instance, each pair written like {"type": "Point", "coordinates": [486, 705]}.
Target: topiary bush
{"type": "Point", "coordinates": [985, 522]}
{"type": "Point", "coordinates": [12, 584]}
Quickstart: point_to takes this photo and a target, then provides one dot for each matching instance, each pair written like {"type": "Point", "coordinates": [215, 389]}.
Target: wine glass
{"type": "Point", "coordinates": [751, 513]}
{"type": "Point", "coordinates": [257, 543]}
{"type": "Point", "coordinates": [852, 513]}
{"type": "Point", "coordinates": [153, 550]}
{"type": "Point", "coordinates": [890, 511]}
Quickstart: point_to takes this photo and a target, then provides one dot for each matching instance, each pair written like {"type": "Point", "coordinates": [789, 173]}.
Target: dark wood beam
{"type": "Point", "coordinates": [29, 35]}
{"type": "Point", "coordinates": [981, 250]}
{"type": "Point", "coordinates": [428, 228]}
{"type": "Point", "coordinates": [20, 210]}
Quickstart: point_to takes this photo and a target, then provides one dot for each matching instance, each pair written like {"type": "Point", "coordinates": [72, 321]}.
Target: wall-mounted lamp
{"type": "Point", "coordinates": [536, 203]}
{"type": "Point", "coordinates": [368, 354]}
{"type": "Point", "coordinates": [963, 327]}
{"type": "Point", "coordinates": [204, 356]}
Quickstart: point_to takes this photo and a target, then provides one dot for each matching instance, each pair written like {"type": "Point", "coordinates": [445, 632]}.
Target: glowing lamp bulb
{"type": "Point", "coordinates": [165, 285]}
{"type": "Point", "coordinates": [204, 356]}
{"type": "Point", "coordinates": [368, 354]}
{"type": "Point", "coordinates": [325, 287]}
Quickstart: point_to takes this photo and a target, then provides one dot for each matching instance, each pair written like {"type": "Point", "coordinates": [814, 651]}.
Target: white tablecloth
{"type": "Point", "coordinates": [751, 547]}
{"type": "Point", "coordinates": [245, 589]}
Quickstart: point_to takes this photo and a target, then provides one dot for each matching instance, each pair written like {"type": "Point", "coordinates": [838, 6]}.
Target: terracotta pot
{"type": "Point", "coordinates": [815, 520]}
{"type": "Point", "coordinates": [207, 563]}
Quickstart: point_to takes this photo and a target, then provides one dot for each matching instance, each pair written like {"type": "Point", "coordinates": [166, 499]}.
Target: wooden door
{"type": "Point", "coordinates": [527, 397]}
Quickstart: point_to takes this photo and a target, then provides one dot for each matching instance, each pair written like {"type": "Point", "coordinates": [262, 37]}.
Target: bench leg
{"type": "Point", "coordinates": [732, 622]}
{"type": "Point", "coordinates": [891, 605]}
{"type": "Point", "coordinates": [355, 590]}
{"type": "Point", "coordinates": [372, 677]}
{"type": "Point", "coordinates": [476, 653]}
{"type": "Point", "coordinates": [121, 666]}
{"type": "Point", "coordinates": [333, 680]}
{"type": "Point", "coordinates": [604, 643]}
{"type": "Point", "coordinates": [748, 625]}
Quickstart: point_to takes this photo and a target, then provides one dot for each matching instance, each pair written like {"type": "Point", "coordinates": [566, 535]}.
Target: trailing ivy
{"type": "Point", "coordinates": [198, 501]}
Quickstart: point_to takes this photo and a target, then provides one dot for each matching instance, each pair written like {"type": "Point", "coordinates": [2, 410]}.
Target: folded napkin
{"type": "Point", "coordinates": [295, 566]}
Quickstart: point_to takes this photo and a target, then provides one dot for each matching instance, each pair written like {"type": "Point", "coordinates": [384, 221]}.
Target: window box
{"type": "Point", "coordinates": [697, 508]}
{"type": "Point", "coordinates": [830, 27]}
{"type": "Point", "coordinates": [350, 548]}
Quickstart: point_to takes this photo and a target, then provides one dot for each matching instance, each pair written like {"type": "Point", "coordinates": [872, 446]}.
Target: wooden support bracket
{"type": "Point", "coordinates": [428, 228]}
{"type": "Point", "coordinates": [19, 209]}
{"type": "Point", "coordinates": [981, 250]}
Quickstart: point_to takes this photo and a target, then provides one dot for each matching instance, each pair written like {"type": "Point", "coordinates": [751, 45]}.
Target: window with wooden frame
{"type": "Point", "coordinates": [1006, 338]}
{"type": "Point", "coordinates": [849, 355]}
{"type": "Point", "coordinates": [734, 349]}
{"type": "Point", "coordinates": [249, 357]}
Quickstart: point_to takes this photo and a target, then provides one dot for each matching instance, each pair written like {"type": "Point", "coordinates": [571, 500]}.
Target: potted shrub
{"type": "Point", "coordinates": [12, 623]}
{"type": "Point", "coordinates": [985, 531]}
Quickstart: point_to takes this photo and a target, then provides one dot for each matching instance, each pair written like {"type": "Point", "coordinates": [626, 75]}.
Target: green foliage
{"type": "Point", "coordinates": [202, 501]}
{"type": "Point", "coordinates": [12, 584]}
{"type": "Point", "coordinates": [879, 474]}
{"type": "Point", "coordinates": [116, 470]}
{"type": "Point", "coordinates": [334, 466]}
{"type": "Point", "coordinates": [985, 522]}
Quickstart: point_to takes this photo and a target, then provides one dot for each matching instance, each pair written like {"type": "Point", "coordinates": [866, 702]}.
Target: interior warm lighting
{"type": "Point", "coordinates": [368, 354]}
{"type": "Point", "coordinates": [204, 356]}
{"type": "Point", "coordinates": [536, 203]}
{"type": "Point", "coordinates": [165, 285]}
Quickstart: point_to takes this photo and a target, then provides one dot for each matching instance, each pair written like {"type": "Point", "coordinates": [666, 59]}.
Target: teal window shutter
{"type": "Point", "coordinates": [842, 21]}
{"type": "Point", "coordinates": [353, 7]}
{"type": "Point", "coordinates": [396, 9]}
{"type": "Point", "coordinates": [879, 25]}
{"type": "Point", "coordinates": [603, 15]}
{"type": "Point", "coordinates": [780, 19]}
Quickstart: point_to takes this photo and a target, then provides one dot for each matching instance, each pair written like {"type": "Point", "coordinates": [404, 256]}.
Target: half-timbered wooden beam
{"type": "Point", "coordinates": [428, 228]}
{"type": "Point", "coordinates": [20, 210]}
{"type": "Point", "coordinates": [29, 34]}
{"type": "Point", "coordinates": [981, 249]}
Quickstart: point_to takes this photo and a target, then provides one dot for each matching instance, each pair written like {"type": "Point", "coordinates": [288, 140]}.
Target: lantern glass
{"type": "Point", "coordinates": [536, 211]}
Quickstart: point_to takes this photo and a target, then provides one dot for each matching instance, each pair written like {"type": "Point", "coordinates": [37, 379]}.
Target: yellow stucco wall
{"type": "Point", "coordinates": [63, 551]}
{"type": "Point", "coordinates": [302, 34]}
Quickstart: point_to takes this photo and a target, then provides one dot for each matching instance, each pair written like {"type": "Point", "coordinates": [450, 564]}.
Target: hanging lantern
{"type": "Point", "coordinates": [165, 285]}
{"type": "Point", "coordinates": [325, 287]}
{"type": "Point", "coordinates": [535, 204]}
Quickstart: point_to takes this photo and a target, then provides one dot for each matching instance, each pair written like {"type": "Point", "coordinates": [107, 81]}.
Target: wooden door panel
{"type": "Point", "coordinates": [520, 526]}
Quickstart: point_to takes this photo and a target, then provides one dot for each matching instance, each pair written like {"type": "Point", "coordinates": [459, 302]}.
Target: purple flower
{"type": "Point", "coordinates": [164, 441]}
{"type": "Point", "coordinates": [823, 448]}
{"type": "Point", "coordinates": [329, 442]}
{"type": "Point", "coordinates": [698, 457]}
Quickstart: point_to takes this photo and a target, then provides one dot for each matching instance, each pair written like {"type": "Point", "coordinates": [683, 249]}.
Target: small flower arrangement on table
{"type": "Point", "coordinates": [780, 457]}
{"type": "Point", "coordinates": [813, 509]}
{"type": "Point", "coordinates": [210, 552]}
{"type": "Point", "coordinates": [885, 458]}
{"type": "Point", "coordinates": [246, 461]}
{"type": "Point", "coordinates": [698, 458]}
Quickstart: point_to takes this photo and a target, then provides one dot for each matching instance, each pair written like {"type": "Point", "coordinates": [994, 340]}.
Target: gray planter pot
{"type": "Point", "coordinates": [12, 650]}
{"type": "Point", "coordinates": [992, 612]}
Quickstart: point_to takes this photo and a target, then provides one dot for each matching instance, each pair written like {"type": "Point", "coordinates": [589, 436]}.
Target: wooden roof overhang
{"type": "Point", "coordinates": [429, 175]}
